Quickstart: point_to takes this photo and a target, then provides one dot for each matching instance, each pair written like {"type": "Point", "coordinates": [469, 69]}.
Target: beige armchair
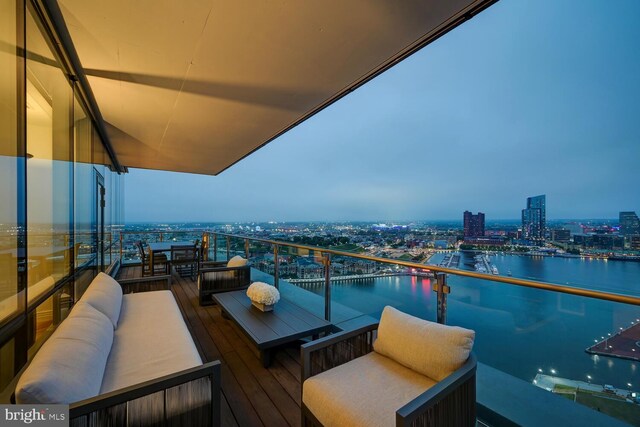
{"type": "Point", "coordinates": [223, 276]}
{"type": "Point", "coordinates": [416, 373]}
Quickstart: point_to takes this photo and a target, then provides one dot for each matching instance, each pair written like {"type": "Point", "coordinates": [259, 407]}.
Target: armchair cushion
{"type": "Point", "coordinates": [432, 349]}
{"type": "Point", "coordinates": [105, 295]}
{"type": "Point", "coordinates": [237, 261]}
{"type": "Point", "coordinates": [366, 391]}
{"type": "Point", "coordinates": [70, 365]}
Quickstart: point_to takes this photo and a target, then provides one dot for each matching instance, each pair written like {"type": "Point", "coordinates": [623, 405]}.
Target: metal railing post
{"type": "Point", "coordinates": [327, 286]}
{"type": "Point", "coordinates": [215, 247]}
{"type": "Point", "coordinates": [121, 247]}
{"type": "Point", "coordinates": [228, 247]}
{"type": "Point", "coordinates": [442, 290]}
{"type": "Point", "coordinates": [246, 248]}
{"type": "Point", "coordinates": [206, 241]}
{"type": "Point", "coordinates": [161, 237]}
{"type": "Point", "coordinates": [276, 267]}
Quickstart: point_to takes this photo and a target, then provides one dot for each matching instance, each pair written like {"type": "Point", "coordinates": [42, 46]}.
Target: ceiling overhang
{"type": "Point", "coordinates": [196, 86]}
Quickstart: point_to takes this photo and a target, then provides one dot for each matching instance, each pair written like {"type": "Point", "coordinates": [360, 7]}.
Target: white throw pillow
{"type": "Point", "coordinates": [105, 295]}
{"type": "Point", "coordinates": [429, 348]}
{"type": "Point", "coordinates": [70, 365]}
{"type": "Point", "coordinates": [237, 261]}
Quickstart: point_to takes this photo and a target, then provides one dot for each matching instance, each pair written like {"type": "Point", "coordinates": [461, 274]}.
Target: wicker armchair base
{"type": "Point", "coordinates": [221, 279]}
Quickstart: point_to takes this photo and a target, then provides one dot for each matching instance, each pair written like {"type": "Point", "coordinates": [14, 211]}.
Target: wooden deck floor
{"type": "Point", "coordinates": [251, 394]}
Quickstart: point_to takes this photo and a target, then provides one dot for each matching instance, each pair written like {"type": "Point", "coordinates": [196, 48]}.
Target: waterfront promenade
{"type": "Point", "coordinates": [625, 344]}
{"type": "Point", "coordinates": [549, 383]}
{"type": "Point", "coordinates": [350, 278]}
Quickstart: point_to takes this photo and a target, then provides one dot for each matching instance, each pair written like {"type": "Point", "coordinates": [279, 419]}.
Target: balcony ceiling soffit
{"type": "Point", "coordinates": [195, 86]}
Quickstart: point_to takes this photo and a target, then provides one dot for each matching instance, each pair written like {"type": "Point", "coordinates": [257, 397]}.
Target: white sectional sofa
{"type": "Point", "coordinates": [127, 359]}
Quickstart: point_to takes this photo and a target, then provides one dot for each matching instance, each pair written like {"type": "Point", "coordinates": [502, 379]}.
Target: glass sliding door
{"type": "Point", "coordinates": [12, 200]}
{"type": "Point", "coordinates": [11, 165]}
{"type": "Point", "coordinates": [55, 221]}
{"type": "Point", "coordinates": [49, 192]}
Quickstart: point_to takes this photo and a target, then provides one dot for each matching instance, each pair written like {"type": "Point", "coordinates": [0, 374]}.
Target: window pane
{"type": "Point", "coordinates": [83, 188]}
{"type": "Point", "coordinates": [47, 316]}
{"type": "Point", "coordinates": [49, 167]}
{"type": "Point", "coordinates": [11, 301]}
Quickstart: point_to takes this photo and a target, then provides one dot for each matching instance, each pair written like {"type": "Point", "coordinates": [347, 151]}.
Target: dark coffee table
{"type": "Point", "coordinates": [267, 330]}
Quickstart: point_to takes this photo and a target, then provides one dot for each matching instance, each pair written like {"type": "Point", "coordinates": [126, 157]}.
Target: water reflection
{"type": "Point", "coordinates": [518, 329]}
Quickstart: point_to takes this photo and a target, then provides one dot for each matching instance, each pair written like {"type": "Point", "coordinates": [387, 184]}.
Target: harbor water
{"type": "Point", "coordinates": [519, 330]}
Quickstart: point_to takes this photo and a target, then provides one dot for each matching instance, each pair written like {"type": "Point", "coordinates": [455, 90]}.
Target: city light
{"type": "Point", "coordinates": [553, 371]}
{"type": "Point", "coordinates": [540, 370]}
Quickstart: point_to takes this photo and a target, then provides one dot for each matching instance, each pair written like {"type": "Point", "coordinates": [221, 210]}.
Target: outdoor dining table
{"type": "Point", "coordinates": [157, 247]}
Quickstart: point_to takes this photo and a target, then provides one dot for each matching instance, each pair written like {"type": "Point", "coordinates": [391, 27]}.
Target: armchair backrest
{"type": "Point", "coordinates": [432, 349]}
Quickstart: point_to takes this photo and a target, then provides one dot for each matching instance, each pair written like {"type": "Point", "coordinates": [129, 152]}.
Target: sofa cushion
{"type": "Point", "coordinates": [151, 341]}
{"type": "Point", "coordinates": [70, 365]}
{"type": "Point", "coordinates": [430, 348]}
{"type": "Point", "coordinates": [105, 295]}
{"type": "Point", "coordinates": [366, 391]}
{"type": "Point", "coordinates": [237, 261]}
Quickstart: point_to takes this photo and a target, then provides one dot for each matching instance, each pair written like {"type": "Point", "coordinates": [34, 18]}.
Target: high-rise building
{"type": "Point", "coordinates": [560, 235]}
{"type": "Point", "coordinates": [629, 223]}
{"type": "Point", "coordinates": [473, 224]}
{"type": "Point", "coordinates": [534, 218]}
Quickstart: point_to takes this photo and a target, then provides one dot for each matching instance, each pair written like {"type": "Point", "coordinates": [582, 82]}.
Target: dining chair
{"type": "Point", "coordinates": [185, 260]}
{"type": "Point", "coordinates": [152, 263]}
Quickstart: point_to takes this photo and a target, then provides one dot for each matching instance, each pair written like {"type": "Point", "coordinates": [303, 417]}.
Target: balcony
{"type": "Point", "coordinates": [349, 298]}
{"type": "Point", "coordinates": [90, 92]}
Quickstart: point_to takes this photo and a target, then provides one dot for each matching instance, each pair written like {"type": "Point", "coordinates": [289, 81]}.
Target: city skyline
{"type": "Point", "coordinates": [481, 119]}
{"type": "Point", "coordinates": [389, 221]}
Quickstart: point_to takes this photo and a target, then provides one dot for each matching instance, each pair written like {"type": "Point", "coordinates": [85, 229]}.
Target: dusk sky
{"type": "Point", "coordinates": [528, 98]}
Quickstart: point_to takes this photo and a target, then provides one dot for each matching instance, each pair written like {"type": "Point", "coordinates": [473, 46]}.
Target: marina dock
{"type": "Point", "coordinates": [451, 260]}
{"type": "Point", "coordinates": [484, 265]}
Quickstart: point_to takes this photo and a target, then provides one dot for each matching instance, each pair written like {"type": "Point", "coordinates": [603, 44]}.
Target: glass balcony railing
{"type": "Point", "coordinates": [576, 341]}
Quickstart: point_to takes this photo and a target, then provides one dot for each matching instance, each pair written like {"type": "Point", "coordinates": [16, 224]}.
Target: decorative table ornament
{"type": "Point", "coordinates": [263, 296]}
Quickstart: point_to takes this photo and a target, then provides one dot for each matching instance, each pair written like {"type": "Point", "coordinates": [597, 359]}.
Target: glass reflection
{"type": "Point", "coordinates": [49, 167]}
